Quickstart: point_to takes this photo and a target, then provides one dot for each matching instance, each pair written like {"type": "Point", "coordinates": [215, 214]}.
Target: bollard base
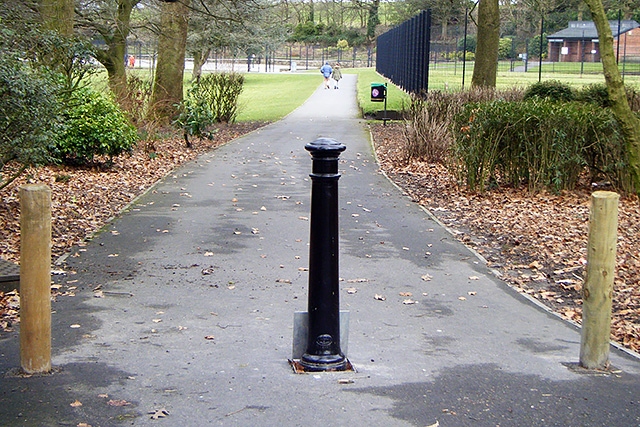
{"type": "Point", "coordinates": [299, 368]}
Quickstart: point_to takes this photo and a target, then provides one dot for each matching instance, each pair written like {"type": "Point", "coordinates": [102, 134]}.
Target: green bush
{"type": "Point", "coordinates": [554, 90]}
{"type": "Point", "coordinates": [195, 115]}
{"type": "Point", "coordinates": [529, 143]}
{"type": "Point", "coordinates": [29, 115]}
{"type": "Point", "coordinates": [428, 132]}
{"type": "Point", "coordinates": [94, 126]}
{"type": "Point", "coordinates": [595, 94]}
{"type": "Point", "coordinates": [221, 91]}
{"type": "Point", "coordinates": [212, 99]}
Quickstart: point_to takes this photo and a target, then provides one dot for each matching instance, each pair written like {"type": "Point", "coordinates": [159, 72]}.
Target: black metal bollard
{"type": "Point", "coordinates": [323, 345]}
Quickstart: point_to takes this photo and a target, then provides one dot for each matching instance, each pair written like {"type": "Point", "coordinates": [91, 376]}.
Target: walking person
{"type": "Point", "coordinates": [336, 75]}
{"type": "Point", "coordinates": [326, 71]}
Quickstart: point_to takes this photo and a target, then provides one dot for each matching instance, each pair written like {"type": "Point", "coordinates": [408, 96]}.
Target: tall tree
{"type": "Point", "coordinates": [167, 90]}
{"type": "Point", "coordinates": [486, 66]}
{"type": "Point", "coordinates": [57, 15]}
{"type": "Point", "coordinates": [111, 20]}
{"type": "Point", "coordinates": [629, 122]}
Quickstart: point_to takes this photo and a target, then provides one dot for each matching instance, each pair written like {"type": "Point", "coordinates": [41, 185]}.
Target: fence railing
{"type": "Point", "coordinates": [403, 53]}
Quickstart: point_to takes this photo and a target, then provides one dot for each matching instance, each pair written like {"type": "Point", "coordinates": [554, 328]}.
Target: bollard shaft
{"type": "Point", "coordinates": [35, 278]}
{"type": "Point", "coordinates": [323, 344]}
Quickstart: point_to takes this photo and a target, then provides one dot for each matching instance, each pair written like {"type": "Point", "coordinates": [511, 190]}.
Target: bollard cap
{"type": "Point", "coordinates": [325, 147]}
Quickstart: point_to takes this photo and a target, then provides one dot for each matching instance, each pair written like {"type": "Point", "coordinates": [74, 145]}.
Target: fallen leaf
{"type": "Point", "coordinates": [409, 302]}
{"type": "Point", "coordinates": [357, 280]}
{"type": "Point", "coordinates": [283, 281]}
{"type": "Point", "coordinates": [156, 320]}
{"type": "Point", "coordinates": [208, 254]}
{"type": "Point", "coordinates": [462, 298]}
{"type": "Point", "coordinates": [379, 297]}
{"type": "Point", "coordinates": [427, 277]}
{"type": "Point", "coordinates": [406, 294]}
{"type": "Point", "coordinates": [76, 404]}
{"type": "Point", "coordinates": [472, 293]}
{"type": "Point", "coordinates": [209, 337]}
{"type": "Point", "coordinates": [118, 402]}
{"type": "Point", "coordinates": [158, 413]}
{"type": "Point", "coordinates": [351, 290]}
{"type": "Point", "coordinates": [474, 278]}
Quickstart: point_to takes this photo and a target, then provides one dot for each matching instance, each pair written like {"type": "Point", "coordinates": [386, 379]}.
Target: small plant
{"type": "Point", "coordinates": [553, 90]}
{"type": "Point", "coordinates": [94, 126]}
{"type": "Point", "coordinates": [195, 116]}
{"type": "Point", "coordinates": [212, 99]}
{"type": "Point", "coordinates": [139, 94]}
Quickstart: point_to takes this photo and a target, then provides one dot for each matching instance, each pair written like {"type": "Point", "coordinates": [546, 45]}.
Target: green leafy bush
{"type": "Point", "coordinates": [212, 99]}
{"type": "Point", "coordinates": [221, 91]}
{"type": "Point", "coordinates": [529, 143]}
{"type": "Point", "coordinates": [94, 126]}
{"type": "Point", "coordinates": [195, 115]}
{"type": "Point", "coordinates": [595, 94]}
{"type": "Point", "coordinates": [29, 115]}
{"type": "Point", "coordinates": [554, 90]}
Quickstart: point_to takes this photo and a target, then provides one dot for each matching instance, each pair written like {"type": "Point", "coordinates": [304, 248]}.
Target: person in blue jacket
{"type": "Point", "coordinates": [326, 71]}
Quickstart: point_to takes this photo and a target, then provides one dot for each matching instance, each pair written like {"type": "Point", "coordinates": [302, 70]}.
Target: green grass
{"type": "Point", "coordinates": [270, 97]}
{"type": "Point", "coordinates": [397, 100]}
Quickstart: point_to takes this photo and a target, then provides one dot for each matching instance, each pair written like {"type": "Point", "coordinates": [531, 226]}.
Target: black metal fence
{"type": "Point", "coordinates": [403, 53]}
{"type": "Point", "coordinates": [521, 59]}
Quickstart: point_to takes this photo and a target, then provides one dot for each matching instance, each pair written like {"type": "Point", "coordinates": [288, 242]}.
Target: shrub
{"type": "Point", "coordinates": [221, 92]}
{"type": "Point", "coordinates": [428, 132]}
{"type": "Point", "coordinates": [595, 94]}
{"type": "Point", "coordinates": [212, 99]}
{"type": "Point", "coordinates": [195, 115]}
{"type": "Point", "coordinates": [554, 90]}
{"type": "Point", "coordinates": [94, 126]}
{"type": "Point", "coordinates": [139, 94]}
{"type": "Point", "coordinates": [29, 115]}
{"type": "Point", "coordinates": [530, 143]}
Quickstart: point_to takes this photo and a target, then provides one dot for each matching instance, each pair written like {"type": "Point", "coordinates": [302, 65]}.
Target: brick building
{"type": "Point", "coordinates": [579, 42]}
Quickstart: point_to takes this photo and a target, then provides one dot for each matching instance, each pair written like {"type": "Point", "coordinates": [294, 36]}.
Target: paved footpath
{"type": "Point", "coordinates": [201, 278]}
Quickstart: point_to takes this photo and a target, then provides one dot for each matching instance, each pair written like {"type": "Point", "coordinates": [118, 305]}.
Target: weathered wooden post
{"type": "Point", "coordinates": [35, 278]}
{"type": "Point", "coordinates": [597, 291]}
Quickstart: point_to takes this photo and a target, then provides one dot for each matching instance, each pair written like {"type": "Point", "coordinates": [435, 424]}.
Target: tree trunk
{"type": "Point", "coordinates": [629, 122]}
{"type": "Point", "coordinates": [168, 84]}
{"type": "Point", "coordinates": [200, 57]}
{"type": "Point", "coordinates": [486, 66]}
{"type": "Point", "coordinates": [57, 15]}
{"type": "Point", "coordinates": [113, 57]}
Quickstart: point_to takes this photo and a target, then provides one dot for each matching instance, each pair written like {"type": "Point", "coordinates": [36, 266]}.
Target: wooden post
{"type": "Point", "coordinates": [35, 278]}
{"type": "Point", "coordinates": [597, 291]}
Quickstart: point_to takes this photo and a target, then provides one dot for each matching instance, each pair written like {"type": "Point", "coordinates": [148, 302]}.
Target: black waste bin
{"type": "Point", "coordinates": [378, 92]}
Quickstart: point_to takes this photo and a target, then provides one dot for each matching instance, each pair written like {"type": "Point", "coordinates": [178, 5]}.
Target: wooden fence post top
{"type": "Point", "coordinates": [605, 195]}
{"type": "Point", "coordinates": [35, 188]}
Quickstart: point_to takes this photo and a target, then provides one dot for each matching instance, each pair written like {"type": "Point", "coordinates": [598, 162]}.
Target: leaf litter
{"type": "Point", "coordinates": [536, 241]}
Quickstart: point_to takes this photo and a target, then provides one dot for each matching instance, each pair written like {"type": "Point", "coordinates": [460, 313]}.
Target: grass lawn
{"type": "Point", "coordinates": [269, 97]}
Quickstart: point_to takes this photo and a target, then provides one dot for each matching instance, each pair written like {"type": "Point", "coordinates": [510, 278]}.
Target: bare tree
{"type": "Point", "coordinates": [629, 122]}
